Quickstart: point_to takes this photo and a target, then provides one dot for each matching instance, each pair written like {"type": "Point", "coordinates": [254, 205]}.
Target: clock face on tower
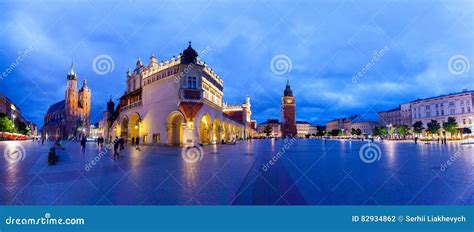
{"type": "Point", "coordinates": [289, 101]}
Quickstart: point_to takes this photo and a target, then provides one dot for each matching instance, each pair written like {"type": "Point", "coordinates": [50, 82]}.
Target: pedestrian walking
{"type": "Point", "coordinates": [116, 146]}
{"type": "Point", "coordinates": [137, 143]}
{"type": "Point", "coordinates": [133, 141]}
{"type": "Point", "coordinates": [83, 144]}
{"type": "Point", "coordinates": [121, 141]}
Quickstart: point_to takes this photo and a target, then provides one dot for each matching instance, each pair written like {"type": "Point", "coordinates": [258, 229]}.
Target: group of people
{"type": "Point", "coordinates": [100, 143]}
{"type": "Point", "coordinates": [118, 144]}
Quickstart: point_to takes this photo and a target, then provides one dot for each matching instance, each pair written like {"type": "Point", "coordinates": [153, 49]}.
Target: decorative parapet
{"type": "Point", "coordinates": [131, 106]}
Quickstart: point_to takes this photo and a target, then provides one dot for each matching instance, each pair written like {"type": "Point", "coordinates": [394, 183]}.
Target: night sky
{"type": "Point", "coordinates": [326, 42]}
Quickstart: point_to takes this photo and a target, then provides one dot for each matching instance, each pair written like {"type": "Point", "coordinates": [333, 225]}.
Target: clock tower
{"type": "Point", "coordinates": [288, 112]}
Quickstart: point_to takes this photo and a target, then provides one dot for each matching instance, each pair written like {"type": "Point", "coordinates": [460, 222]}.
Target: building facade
{"type": "Point", "coordinates": [69, 118]}
{"type": "Point", "coordinates": [342, 124]}
{"type": "Point", "coordinates": [302, 128]}
{"type": "Point", "coordinates": [178, 103]}
{"type": "Point", "coordinates": [391, 117]}
{"type": "Point", "coordinates": [288, 113]}
{"type": "Point", "coordinates": [440, 108]}
{"type": "Point", "coordinates": [12, 111]}
{"type": "Point", "coordinates": [353, 122]}
{"type": "Point", "coordinates": [274, 124]}
{"type": "Point", "coordinates": [405, 114]}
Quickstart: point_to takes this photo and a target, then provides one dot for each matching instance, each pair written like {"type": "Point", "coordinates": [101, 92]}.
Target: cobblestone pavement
{"type": "Point", "coordinates": [287, 172]}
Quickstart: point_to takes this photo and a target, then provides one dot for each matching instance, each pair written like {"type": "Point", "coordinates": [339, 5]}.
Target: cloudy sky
{"type": "Point", "coordinates": [341, 57]}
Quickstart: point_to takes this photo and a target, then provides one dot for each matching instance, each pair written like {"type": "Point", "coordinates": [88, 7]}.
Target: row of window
{"type": "Point", "coordinates": [442, 113]}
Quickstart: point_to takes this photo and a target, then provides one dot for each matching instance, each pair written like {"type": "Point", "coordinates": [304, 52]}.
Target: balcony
{"type": "Point", "coordinates": [131, 106]}
{"type": "Point", "coordinates": [190, 95]}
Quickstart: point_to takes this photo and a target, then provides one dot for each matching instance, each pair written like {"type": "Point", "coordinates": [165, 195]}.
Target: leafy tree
{"type": "Point", "coordinates": [335, 132]}
{"type": "Point", "coordinates": [466, 130]}
{"type": "Point", "coordinates": [403, 130]}
{"type": "Point", "coordinates": [268, 130]}
{"type": "Point", "coordinates": [6, 125]}
{"type": "Point", "coordinates": [383, 131]}
{"type": "Point", "coordinates": [358, 131]}
{"type": "Point", "coordinates": [23, 128]}
{"type": "Point", "coordinates": [375, 131]}
{"type": "Point", "coordinates": [320, 130]}
{"type": "Point", "coordinates": [433, 127]}
{"type": "Point", "coordinates": [418, 127]}
{"type": "Point", "coordinates": [353, 131]}
{"type": "Point", "coordinates": [451, 126]}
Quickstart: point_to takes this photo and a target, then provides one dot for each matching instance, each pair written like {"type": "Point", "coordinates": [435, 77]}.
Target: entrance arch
{"type": "Point", "coordinates": [205, 130]}
{"type": "Point", "coordinates": [174, 128]}
{"type": "Point", "coordinates": [134, 126]}
{"type": "Point", "coordinates": [123, 132]}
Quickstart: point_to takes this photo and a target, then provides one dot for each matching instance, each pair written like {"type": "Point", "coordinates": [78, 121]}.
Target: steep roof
{"type": "Point", "coordinates": [58, 106]}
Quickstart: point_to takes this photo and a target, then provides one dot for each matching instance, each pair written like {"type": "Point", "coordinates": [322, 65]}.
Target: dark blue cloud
{"type": "Point", "coordinates": [328, 42]}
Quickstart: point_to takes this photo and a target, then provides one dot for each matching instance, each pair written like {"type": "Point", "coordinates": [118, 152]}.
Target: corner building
{"type": "Point", "coordinates": [178, 103]}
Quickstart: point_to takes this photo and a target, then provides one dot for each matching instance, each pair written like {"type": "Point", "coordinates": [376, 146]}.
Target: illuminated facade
{"type": "Point", "coordinates": [288, 113]}
{"type": "Point", "coordinates": [70, 117]}
{"type": "Point", "coordinates": [177, 102]}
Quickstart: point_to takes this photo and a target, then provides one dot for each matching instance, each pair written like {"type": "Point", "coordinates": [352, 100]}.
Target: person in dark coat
{"type": "Point", "coordinates": [133, 141]}
{"type": "Point", "coordinates": [116, 146]}
{"type": "Point", "coordinates": [83, 144]}
{"type": "Point", "coordinates": [121, 141]}
{"type": "Point", "coordinates": [137, 142]}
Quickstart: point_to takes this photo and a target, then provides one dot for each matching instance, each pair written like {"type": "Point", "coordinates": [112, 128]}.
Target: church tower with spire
{"type": "Point", "coordinates": [85, 106]}
{"type": "Point", "coordinates": [70, 101]}
{"type": "Point", "coordinates": [288, 112]}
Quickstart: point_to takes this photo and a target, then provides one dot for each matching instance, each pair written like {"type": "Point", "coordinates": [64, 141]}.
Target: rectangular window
{"type": "Point", "coordinates": [192, 82]}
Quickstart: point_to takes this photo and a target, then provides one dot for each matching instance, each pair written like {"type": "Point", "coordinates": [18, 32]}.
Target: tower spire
{"type": "Point", "coordinates": [71, 71]}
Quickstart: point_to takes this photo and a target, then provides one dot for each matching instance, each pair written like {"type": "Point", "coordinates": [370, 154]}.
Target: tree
{"type": "Point", "coordinates": [433, 127]}
{"type": "Point", "coordinates": [451, 126]}
{"type": "Point", "coordinates": [353, 131]}
{"type": "Point", "coordinates": [335, 132]}
{"type": "Point", "coordinates": [320, 130]}
{"type": "Point", "coordinates": [268, 130]}
{"type": "Point", "coordinates": [6, 125]}
{"type": "Point", "coordinates": [418, 127]}
{"type": "Point", "coordinates": [466, 130]}
{"type": "Point", "coordinates": [403, 130]}
{"type": "Point", "coordinates": [383, 131]}
{"type": "Point", "coordinates": [22, 128]}
{"type": "Point", "coordinates": [375, 131]}
{"type": "Point", "coordinates": [358, 131]}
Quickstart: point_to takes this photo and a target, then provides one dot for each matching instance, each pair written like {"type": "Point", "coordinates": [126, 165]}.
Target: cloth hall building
{"type": "Point", "coordinates": [178, 102]}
